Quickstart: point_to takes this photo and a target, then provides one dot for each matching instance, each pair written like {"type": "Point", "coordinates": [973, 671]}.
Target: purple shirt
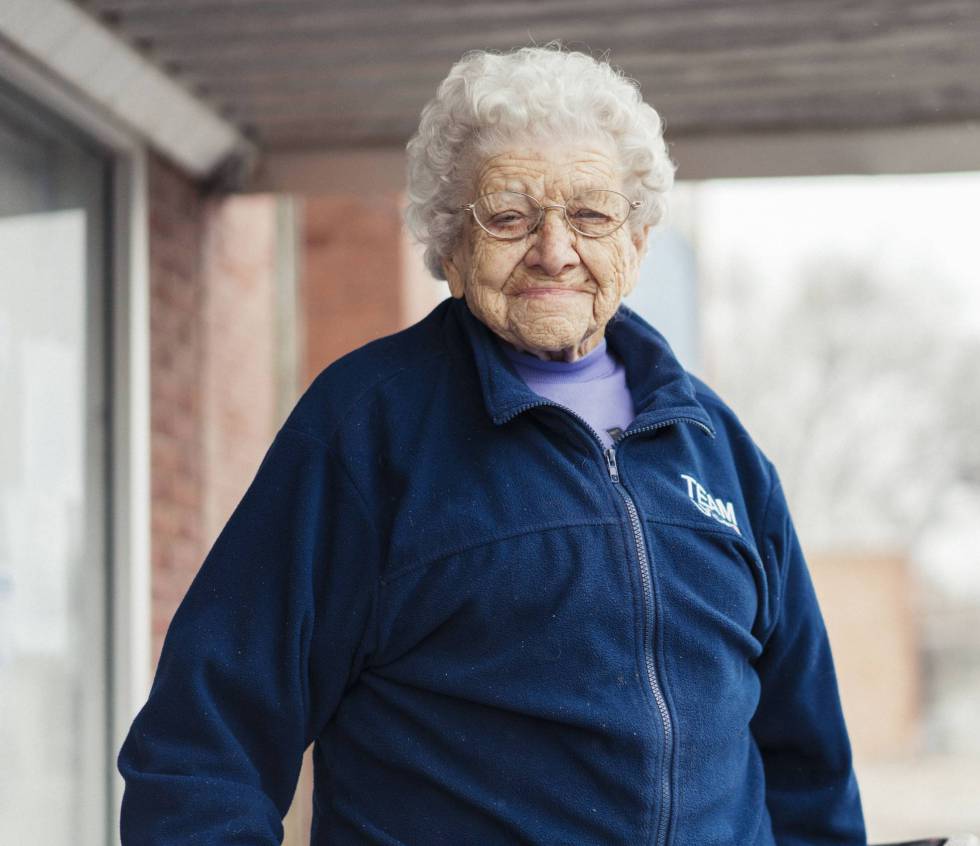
{"type": "Point", "coordinates": [594, 387]}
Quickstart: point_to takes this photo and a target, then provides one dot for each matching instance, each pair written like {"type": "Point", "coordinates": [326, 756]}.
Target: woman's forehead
{"type": "Point", "coordinates": [543, 170]}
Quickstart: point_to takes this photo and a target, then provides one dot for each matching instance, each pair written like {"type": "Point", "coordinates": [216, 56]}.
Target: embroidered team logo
{"type": "Point", "coordinates": [711, 506]}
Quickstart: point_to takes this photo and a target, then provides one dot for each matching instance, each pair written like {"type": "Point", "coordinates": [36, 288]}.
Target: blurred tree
{"type": "Point", "coordinates": [862, 387]}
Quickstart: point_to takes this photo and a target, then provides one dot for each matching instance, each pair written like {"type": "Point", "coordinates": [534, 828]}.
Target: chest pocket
{"type": "Point", "coordinates": [712, 584]}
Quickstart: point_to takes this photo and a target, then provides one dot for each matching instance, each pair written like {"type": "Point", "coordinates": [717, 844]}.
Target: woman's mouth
{"type": "Point", "coordinates": [544, 291]}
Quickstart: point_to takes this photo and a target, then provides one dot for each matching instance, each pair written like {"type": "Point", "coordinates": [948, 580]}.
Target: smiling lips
{"type": "Point", "coordinates": [548, 291]}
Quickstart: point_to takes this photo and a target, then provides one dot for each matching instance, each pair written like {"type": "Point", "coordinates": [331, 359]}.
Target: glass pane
{"type": "Point", "coordinates": [53, 657]}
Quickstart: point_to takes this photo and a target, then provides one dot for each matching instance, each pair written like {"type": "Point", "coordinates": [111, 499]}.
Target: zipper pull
{"type": "Point", "coordinates": [611, 463]}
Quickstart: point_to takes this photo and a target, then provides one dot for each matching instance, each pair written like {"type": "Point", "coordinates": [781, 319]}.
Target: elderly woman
{"type": "Point", "coordinates": [517, 576]}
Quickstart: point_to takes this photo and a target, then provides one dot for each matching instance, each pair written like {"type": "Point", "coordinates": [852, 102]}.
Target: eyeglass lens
{"type": "Point", "coordinates": [510, 215]}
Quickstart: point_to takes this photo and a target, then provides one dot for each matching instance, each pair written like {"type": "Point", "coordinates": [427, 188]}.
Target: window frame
{"type": "Point", "coordinates": [123, 339]}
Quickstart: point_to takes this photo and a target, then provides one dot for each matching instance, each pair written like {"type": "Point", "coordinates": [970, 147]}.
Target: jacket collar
{"type": "Point", "coordinates": [662, 390]}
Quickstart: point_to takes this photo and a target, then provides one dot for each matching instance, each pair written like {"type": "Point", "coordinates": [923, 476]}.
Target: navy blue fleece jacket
{"type": "Point", "coordinates": [494, 630]}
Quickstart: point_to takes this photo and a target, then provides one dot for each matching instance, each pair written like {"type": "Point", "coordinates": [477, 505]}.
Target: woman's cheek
{"type": "Point", "coordinates": [609, 266]}
{"type": "Point", "coordinates": [493, 263]}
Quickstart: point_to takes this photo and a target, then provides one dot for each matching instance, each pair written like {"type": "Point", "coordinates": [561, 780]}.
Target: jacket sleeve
{"type": "Point", "coordinates": [811, 790]}
{"type": "Point", "coordinates": [271, 631]}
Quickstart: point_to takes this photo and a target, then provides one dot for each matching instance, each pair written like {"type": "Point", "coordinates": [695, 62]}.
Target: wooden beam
{"type": "Point", "coordinates": [921, 149]}
{"type": "Point", "coordinates": [940, 148]}
{"type": "Point", "coordinates": [308, 173]}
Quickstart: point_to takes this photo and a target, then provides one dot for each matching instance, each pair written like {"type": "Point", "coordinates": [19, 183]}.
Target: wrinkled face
{"type": "Point", "coordinates": [552, 292]}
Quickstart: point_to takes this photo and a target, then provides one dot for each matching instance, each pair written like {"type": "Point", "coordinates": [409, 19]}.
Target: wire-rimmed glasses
{"type": "Point", "coordinates": [510, 215]}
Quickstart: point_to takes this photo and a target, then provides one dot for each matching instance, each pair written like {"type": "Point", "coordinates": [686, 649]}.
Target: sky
{"type": "Point", "coordinates": [921, 232]}
{"type": "Point", "coordinates": [924, 222]}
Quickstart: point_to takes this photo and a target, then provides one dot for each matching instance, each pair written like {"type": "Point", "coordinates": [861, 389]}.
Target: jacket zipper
{"type": "Point", "coordinates": [646, 579]}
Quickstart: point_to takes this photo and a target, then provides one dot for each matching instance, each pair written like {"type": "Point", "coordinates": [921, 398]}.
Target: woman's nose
{"type": "Point", "coordinates": [553, 250]}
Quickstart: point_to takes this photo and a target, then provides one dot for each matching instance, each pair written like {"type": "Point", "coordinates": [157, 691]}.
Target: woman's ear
{"type": "Point", "coordinates": [457, 285]}
{"type": "Point", "coordinates": [640, 239]}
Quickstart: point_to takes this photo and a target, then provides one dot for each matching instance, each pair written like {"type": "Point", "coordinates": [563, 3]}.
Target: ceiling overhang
{"type": "Point", "coordinates": [100, 66]}
{"type": "Point", "coordinates": [328, 93]}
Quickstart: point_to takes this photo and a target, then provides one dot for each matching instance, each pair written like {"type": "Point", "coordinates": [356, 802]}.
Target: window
{"type": "Point", "coordinates": [54, 491]}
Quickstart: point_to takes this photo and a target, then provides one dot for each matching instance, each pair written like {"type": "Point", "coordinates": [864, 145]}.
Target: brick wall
{"type": "Point", "coordinates": [176, 215]}
{"type": "Point", "coordinates": [868, 602]}
{"type": "Point", "coordinates": [213, 388]}
{"type": "Point", "coordinates": [352, 264]}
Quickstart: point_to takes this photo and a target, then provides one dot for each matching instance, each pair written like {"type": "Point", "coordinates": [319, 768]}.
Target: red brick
{"type": "Point", "coordinates": [352, 261]}
{"type": "Point", "coordinates": [212, 363]}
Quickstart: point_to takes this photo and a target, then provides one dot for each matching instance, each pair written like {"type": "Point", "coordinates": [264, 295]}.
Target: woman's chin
{"type": "Point", "coordinates": [549, 337]}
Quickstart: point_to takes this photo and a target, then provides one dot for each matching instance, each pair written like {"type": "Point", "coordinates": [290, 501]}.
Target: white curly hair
{"type": "Point", "coordinates": [490, 99]}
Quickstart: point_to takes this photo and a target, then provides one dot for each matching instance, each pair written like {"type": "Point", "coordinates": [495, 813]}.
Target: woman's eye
{"type": "Point", "coordinates": [506, 218]}
{"type": "Point", "coordinates": [590, 214]}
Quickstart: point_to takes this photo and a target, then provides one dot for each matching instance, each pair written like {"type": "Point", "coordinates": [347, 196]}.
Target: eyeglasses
{"type": "Point", "coordinates": [510, 215]}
